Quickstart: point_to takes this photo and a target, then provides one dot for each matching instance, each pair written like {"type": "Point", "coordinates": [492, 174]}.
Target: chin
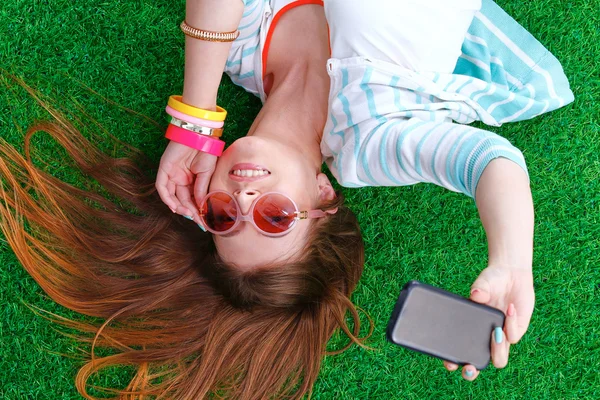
{"type": "Point", "coordinates": [246, 146]}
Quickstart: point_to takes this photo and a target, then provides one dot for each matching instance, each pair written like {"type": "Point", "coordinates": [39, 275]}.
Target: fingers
{"type": "Point", "coordinates": [511, 325]}
{"type": "Point", "coordinates": [189, 208]}
{"type": "Point", "coordinates": [166, 190]}
{"type": "Point", "coordinates": [500, 348]}
{"type": "Point", "coordinates": [480, 291]}
{"type": "Point", "coordinates": [469, 372]}
{"type": "Point", "coordinates": [500, 351]}
{"type": "Point", "coordinates": [176, 197]}
{"type": "Point", "coordinates": [201, 188]}
{"type": "Point", "coordinates": [450, 366]}
{"type": "Point", "coordinates": [203, 168]}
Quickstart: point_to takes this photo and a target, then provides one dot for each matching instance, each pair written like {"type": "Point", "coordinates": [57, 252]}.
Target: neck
{"type": "Point", "coordinates": [296, 110]}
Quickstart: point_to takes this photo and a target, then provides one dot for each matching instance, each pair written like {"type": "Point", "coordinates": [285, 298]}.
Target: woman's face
{"type": "Point", "coordinates": [284, 169]}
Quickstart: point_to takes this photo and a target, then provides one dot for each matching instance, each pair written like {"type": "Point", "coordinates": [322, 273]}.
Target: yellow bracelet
{"type": "Point", "coordinates": [176, 103]}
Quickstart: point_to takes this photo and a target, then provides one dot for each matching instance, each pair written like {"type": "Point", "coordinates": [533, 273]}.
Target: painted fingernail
{"type": "Point", "coordinates": [469, 373]}
{"type": "Point", "coordinates": [201, 227]}
{"type": "Point", "coordinates": [498, 334]}
{"type": "Point", "coordinates": [511, 310]}
{"type": "Point", "coordinates": [188, 217]}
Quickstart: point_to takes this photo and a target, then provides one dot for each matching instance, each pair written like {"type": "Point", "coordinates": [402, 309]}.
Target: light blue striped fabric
{"type": "Point", "coordinates": [244, 64]}
{"type": "Point", "coordinates": [389, 126]}
{"type": "Point", "coordinates": [501, 52]}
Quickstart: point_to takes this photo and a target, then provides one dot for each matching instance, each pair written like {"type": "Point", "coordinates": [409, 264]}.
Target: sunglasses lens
{"type": "Point", "coordinates": [274, 213]}
{"type": "Point", "coordinates": [219, 212]}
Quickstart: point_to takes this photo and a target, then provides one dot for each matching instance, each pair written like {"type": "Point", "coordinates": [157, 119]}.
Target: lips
{"type": "Point", "coordinates": [248, 167]}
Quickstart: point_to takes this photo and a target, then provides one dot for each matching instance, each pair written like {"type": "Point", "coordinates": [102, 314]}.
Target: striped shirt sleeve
{"type": "Point", "coordinates": [407, 151]}
{"type": "Point", "coordinates": [245, 52]}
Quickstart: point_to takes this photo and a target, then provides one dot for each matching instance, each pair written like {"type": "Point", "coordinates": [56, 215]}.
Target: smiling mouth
{"type": "Point", "coordinates": [248, 172]}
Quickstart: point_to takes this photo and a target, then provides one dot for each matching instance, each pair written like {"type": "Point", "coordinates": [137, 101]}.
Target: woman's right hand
{"type": "Point", "coordinates": [184, 173]}
{"type": "Point", "coordinates": [175, 182]}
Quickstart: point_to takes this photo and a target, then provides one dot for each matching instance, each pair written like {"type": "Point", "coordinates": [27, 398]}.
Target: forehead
{"type": "Point", "coordinates": [249, 248]}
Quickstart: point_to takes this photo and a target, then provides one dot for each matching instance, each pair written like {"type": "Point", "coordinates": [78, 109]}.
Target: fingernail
{"type": "Point", "coordinates": [188, 217]}
{"type": "Point", "coordinates": [474, 291]}
{"type": "Point", "coordinates": [511, 310]}
{"type": "Point", "coordinates": [201, 227]}
{"type": "Point", "coordinates": [498, 334]}
{"type": "Point", "coordinates": [469, 373]}
{"type": "Point", "coordinates": [172, 210]}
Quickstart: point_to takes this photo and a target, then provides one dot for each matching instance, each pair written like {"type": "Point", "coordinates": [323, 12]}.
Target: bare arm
{"type": "Point", "coordinates": [184, 173]}
{"type": "Point", "coordinates": [205, 61]}
{"type": "Point", "coordinates": [505, 206]}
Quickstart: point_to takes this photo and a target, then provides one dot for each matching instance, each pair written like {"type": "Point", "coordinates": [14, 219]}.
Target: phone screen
{"type": "Point", "coordinates": [444, 325]}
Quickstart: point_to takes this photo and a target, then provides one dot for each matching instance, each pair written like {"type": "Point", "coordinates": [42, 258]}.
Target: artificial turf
{"type": "Point", "coordinates": [131, 52]}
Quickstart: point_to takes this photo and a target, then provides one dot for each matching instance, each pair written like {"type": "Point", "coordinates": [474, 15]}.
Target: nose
{"type": "Point", "coordinates": [247, 192]}
{"type": "Point", "coordinates": [245, 198]}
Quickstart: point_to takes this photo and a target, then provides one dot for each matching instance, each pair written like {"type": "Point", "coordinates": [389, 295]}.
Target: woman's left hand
{"type": "Point", "coordinates": [183, 178]}
{"type": "Point", "coordinates": [509, 289]}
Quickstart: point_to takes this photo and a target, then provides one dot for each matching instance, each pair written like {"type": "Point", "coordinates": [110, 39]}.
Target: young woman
{"type": "Point", "coordinates": [379, 113]}
{"type": "Point", "coordinates": [245, 311]}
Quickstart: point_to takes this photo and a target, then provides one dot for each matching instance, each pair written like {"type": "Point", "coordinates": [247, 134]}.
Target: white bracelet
{"type": "Point", "coordinates": [202, 130]}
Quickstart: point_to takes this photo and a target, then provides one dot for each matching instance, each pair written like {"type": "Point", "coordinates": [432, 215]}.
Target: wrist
{"type": "Point", "coordinates": [520, 265]}
{"type": "Point", "coordinates": [510, 254]}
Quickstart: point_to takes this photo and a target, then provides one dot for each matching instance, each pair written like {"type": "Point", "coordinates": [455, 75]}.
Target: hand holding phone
{"type": "Point", "coordinates": [443, 325]}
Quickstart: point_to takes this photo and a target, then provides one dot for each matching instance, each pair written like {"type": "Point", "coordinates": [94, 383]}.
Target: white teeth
{"type": "Point", "coordinates": [250, 172]}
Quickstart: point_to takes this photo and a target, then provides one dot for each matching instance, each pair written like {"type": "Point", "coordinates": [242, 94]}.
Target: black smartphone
{"type": "Point", "coordinates": [442, 324]}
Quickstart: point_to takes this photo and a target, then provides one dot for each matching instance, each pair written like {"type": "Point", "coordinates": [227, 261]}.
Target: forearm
{"type": "Point", "coordinates": [204, 60]}
{"type": "Point", "coordinates": [505, 206]}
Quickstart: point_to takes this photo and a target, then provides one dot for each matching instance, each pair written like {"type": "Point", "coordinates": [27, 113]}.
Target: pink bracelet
{"type": "Point", "coordinates": [193, 120]}
{"type": "Point", "coordinates": [196, 141]}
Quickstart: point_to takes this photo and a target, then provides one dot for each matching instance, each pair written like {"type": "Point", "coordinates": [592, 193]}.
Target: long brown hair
{"type": "Point", "coordinates": [191, 325]}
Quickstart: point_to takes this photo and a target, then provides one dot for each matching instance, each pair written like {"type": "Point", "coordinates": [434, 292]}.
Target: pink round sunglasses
{"type": "Point", "coordinates": [273, 213]}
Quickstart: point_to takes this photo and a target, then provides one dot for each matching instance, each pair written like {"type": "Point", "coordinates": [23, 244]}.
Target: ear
{"type": "Point", "coordinates": [326, 192]}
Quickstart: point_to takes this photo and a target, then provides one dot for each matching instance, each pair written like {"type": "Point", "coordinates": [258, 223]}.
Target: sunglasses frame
{"type": "Point", "coordinates": [249, 216]}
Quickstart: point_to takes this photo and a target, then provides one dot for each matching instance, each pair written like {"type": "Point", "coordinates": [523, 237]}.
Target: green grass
{"type": "Point", "coordinates": [132, 52]}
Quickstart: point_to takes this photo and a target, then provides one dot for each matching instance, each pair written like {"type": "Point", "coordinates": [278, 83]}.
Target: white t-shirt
{"type": "Point", "coordinates": [420, 35]}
